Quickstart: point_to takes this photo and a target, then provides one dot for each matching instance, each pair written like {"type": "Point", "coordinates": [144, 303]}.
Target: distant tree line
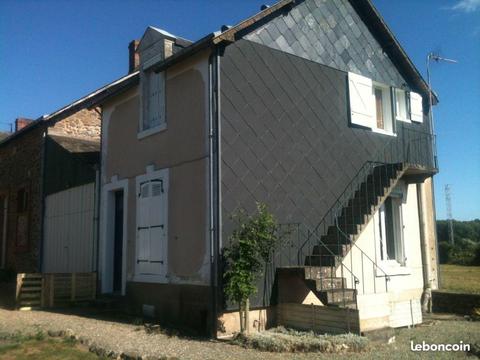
{"type": "Point", "coordinates": [466, 247]}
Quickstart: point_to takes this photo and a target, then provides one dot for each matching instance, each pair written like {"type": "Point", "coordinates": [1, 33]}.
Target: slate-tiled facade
{"type": "Point", "coordinates": [330, 33]}
{"type": "Point", "coordinates": [286, 138]}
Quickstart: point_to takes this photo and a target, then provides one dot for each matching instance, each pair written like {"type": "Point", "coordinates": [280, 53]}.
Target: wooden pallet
{"type": "Point", "coordinates": [49, 290]}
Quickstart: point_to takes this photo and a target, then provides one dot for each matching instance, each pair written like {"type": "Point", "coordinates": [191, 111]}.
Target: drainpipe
{"type": "Point", "coordinates": [427, 285]}
{"type": "Point", "coordinates": [213, 166]}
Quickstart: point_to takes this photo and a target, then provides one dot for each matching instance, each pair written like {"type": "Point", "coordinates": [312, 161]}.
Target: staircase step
{"type": "Point", "coordinates": [331, 249]}
{"type": "Point", "coordinates": [337, 296]}
{"type": "Point", "coordinates": [328, 283]}
{"type": "Point", "coordinates": [322, 260]}
{"type": "Point", "coordinates": [308, 272]}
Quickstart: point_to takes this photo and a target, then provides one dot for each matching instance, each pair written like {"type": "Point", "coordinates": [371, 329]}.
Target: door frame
{"type": "Point", "coordinates": [107, 234]}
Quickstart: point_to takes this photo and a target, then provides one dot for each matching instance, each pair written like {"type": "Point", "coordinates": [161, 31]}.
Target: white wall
{"type": "Point", "coordinates": [401, 303]}
{"type": "Point", "coordinates": [69, 234]}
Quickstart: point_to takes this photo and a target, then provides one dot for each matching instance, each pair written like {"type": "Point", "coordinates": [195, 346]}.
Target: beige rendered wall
{"type": "Point", "coordinates": [400, 306]}
{"type": "Point", "coordinates": [429, 221]}
{"type": "Point", "coordinates": [182, 148]}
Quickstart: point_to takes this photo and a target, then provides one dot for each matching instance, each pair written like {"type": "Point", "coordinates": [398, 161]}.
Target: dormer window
{"type": "Point", "coordinates": [153, 102]}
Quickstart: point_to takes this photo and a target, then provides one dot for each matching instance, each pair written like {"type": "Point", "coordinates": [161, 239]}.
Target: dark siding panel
{"type": "Point", "coordinates": [65, 170]}
{"type": "Point", "coordinates": [285, 136]}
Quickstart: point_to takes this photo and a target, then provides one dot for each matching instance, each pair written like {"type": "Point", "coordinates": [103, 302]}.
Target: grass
{"type": "Point", "coordinates": [288, 340]}
{"type": "Point", "coordinates": [38, 347]}
{"type": "Point", "coordinates": [460, 279]}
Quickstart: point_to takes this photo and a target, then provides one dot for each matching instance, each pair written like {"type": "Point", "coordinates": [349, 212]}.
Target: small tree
{"type": "Point", "coordinates": [251, 246]}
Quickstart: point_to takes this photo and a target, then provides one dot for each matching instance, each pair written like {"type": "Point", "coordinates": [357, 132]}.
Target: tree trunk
{"type": "Point", "coordinates": [247, 315]}
{"type": "Point", "coordinates": [241, 313]}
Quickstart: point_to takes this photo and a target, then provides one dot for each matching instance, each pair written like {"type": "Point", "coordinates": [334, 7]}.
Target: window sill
{"type": "Point", "coordinates": [145, 133]}
{"type": "Point", "coordinates": [383, 132]}
{"type": "Point", "coordinates": [392, 268]}
{"type": "Point", "coordinates": [404, 120]}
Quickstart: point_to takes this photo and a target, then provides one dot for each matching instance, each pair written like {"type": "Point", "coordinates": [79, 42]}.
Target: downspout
{"type": "Point", "coordinates": [427, 284]}
{"type": "Point", "coordinates": [43, 171]}
{"type": "Point", "coordinates": [215, 228]}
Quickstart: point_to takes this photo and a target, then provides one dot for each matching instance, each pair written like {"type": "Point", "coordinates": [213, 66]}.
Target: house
{"type": "Point", "coordinates": [48, 192]}
{"type": "Point", "coordinates": [311, 107]}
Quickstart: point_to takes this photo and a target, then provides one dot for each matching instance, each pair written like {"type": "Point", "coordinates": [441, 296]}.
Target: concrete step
{"type": "Point", "coordinates": [337, 296]}
{"type": "Point", "coordinates": [307, 272]}
{"type": "Point", "coordinates": [328, 283]}
{"type": "Point", "coordinates": [331, 249]}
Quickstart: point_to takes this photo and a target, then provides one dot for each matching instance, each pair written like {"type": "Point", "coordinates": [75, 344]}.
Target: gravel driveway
{"type": "Point", "coordinates": [123, 337]}
{"type": "Point", "coordinates": [126, 338]}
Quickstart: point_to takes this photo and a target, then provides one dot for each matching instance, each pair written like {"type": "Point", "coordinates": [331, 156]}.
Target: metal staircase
{"type": "Point", "coordinates": [324, 258]}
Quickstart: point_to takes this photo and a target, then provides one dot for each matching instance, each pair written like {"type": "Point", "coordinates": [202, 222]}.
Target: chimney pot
{"type": "Point", "coordinates": [133, 56]}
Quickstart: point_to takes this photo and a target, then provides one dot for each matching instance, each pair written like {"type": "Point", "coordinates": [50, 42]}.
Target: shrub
{"type": "Point", "coordinates": [288, 340]}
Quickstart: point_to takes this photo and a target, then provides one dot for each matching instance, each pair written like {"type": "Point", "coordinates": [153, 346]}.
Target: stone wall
{"type": "Point", "coordinates": [20, 167]}
{"type": "Point", "coordinates": [84, 124]}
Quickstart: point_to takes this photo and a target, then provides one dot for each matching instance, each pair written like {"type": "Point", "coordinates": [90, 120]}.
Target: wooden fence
{"type": "Point", "coordinates": [322, 319]}
{"type": "Point", "coordinates": [56, 289]}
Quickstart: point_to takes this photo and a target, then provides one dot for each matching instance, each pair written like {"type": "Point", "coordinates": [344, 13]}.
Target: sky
{"type": "Point", "coordinates": [54, 52]}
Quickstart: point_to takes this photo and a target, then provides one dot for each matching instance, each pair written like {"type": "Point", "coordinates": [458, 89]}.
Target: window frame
{"type": "Point", "coordinates": [392, 266]}
{"type": "Point", "coordinates": [145, 88]}
{"type": "Point", "coordinates": [406, 104]}
{"type": "Point", "coordinates": [387, 111]}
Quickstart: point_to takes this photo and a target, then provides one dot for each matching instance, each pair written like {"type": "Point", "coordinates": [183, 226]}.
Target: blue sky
{"type": "Point", "coordinates": [53, 52]}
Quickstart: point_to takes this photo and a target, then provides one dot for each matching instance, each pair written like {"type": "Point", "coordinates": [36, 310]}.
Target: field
{"type": "Point", "coordinates": [460, 279]}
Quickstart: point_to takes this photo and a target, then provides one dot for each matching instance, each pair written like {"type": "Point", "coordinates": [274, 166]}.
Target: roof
{"type": "Point", "coordinates": [88, 101]}
{"type": "Point", "coordinates": [76, 145]}
{"type": "Point", "coordinates": [364, 8]}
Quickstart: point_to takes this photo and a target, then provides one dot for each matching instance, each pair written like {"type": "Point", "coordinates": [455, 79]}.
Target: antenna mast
{"type": "Point", "coordinates": [448, 202]}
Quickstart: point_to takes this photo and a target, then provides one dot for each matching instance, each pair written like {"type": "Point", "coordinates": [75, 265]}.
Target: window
{"type": "Point", "coordinates": [153, 102]}
{"type": "Point", "coordinates": [383, 109]}
{"type": "Point", "coordinates": [370, 104]}
{"type": "Point", "coordinates": [152, 225]}
{"type": "Point", "coordinates": [391, 230]}
{"type": "Point", "coordinates": [377, 106]}
{"type": "Point", "coordinates": [401, 105]}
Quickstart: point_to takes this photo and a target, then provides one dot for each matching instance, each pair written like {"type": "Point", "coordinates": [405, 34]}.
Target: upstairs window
{"type": "Point", "coordinates": [402, 106]}
{"type": "Point", "coordinates": [377, 106]}
{"type": "Point", "coordinates": [153, 102]}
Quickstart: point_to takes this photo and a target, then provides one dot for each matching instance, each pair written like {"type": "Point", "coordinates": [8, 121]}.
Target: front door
{"type": "Point", "coordinates": [118, 242]}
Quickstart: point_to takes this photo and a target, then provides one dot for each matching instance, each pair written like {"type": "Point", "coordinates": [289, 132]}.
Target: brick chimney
{"type": "Point", "coordinates": [133, 56]}
{"type": "Point", "coordinates": [20, 123]}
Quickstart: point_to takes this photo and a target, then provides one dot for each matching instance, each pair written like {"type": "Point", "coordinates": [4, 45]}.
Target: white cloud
{"type": "Point", "coordinates": [467, 5]}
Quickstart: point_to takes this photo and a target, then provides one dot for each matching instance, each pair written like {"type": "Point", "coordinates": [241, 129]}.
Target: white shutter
{"type": "Point", "coordinates": [416, 107]}
{"type": "Point", "coordinates": [153, 99]}
{"type": "Point", "coordinates": [362, 102]}
{"type": "Point", "coordinates": [161, 98]}
{"type": "Point", "coordinates": [157, 221]}
{"type": "Point", "coordinates": [143, 221]}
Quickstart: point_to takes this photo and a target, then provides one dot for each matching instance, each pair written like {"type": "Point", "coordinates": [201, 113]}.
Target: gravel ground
{"type": "Point", "coordinates": [132, 339]}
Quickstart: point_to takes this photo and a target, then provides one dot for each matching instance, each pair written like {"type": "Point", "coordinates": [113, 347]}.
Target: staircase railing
{"type": "Point", "coordinates": [411, 147]}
